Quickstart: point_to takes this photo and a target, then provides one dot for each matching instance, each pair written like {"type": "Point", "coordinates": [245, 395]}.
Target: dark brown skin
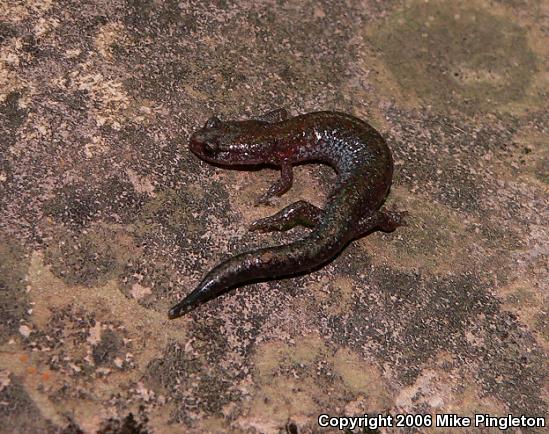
{"type": "Point", "coordinates": [352, 147]}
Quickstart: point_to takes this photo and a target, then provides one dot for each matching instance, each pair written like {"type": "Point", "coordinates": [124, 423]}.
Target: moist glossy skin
{"type": "Point", "coordinates": [352, 147]}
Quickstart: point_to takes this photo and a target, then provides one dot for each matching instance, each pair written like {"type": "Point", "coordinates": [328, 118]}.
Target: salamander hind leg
{"type": "Point", "coordinates": [382, 220]}
{"type": "Point", "coordinates": [300, 213]}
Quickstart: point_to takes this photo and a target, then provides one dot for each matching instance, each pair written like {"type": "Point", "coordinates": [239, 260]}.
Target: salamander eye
{"type": "Point", "coordinates": [213, 122]}
{"type": "Point", "coordinates": [211, 148]}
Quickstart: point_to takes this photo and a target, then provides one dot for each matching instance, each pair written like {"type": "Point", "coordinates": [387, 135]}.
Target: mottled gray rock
{"type": "Point", "coordinates": [106, 218]}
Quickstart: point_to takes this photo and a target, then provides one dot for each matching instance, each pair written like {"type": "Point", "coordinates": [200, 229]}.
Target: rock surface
{"type": "Point", "coordinates": [107, 219]}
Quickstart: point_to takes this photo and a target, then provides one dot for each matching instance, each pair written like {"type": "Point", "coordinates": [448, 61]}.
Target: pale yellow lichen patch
{"type": "Point", "coordinates": [281, 394]}
{"type": "Point", "coordinates": [445, 390]}
{"type": "Point", "coordinates": [141, 184]}
{"type": "Point", "coordinates": [436, 238]}
{"type": "Point", "coordinates": [537, 90]}
{"type": "Point", "coordinates": [107, 35]}
{"type": "Point", "coordinates": [9, 54]}
{"type": "Point", "coordinates": [371, 81]}
{"type": "Point", "coordinates": [107, 301]}
{"type": "Point", "coordinates": [360, 377]}
{"type": "Point", "coordinates": [45, 26]}
{"type": "Point", "coordinates": [195, 93]}
{"type": "Point", "coordinates": [477, 76]}
{"type": "Point", "coordinates": [108, 94]}
{"type": "Point", "coordinates": [12, 362]}
{"type": "Point", "coordinates": [318, 12]}
{"type": "Point", "coordinates": [161, 420]}
{"type": "Point", "coordinates": [319, 291]}
{"type": "Point", "coordinates": [48, 408]}
{"type": "Point", "coordinates": [73, 52]}
{"type": "Point", "coordinates": [467, 399]}
{"type": "Point", "coordinates": [15, 362]}
{"type": "Point", "coordinates": [529, 303]}
{"type": "Point", "coordinates": [422, 391]}
{"type": "Point", "coordinates": [300, 380]}
{"type": "Point", "coordinates": [9, 57]}
{"type": "Point", "coordinates": [88, 414]}
{"type": "Point", "coordinates": [95, 334]}
{"type": "Point", "coordinates": [25, 331]}
{"type": "Point", "coordinates": [139, 291]}
{"type": "Point", "coordinates": [112, 103]}
{"type": "Point", "coordinates": [533, 161]}
{"type": "Point", "coordinates": [245, 188]}
{"type": "Point", "coordinates": [342, 289]}
{"type": "Point", "coordinates": [18, 11]}
{"type": "Point", "coordinates": [408, 39]}
{"type": "Point", "coordinates": [49, 294]}
{"type": "Point", "coordinates": [97, 145]}
{"type": "Point", "coordinates": [213, 424]}
{"type": "Point", "coordinates": [281, 400]}
{"type": "Point", "coordinates": [273, 354]}
{"type": "Point", "coordinates": [4, 379]}
{"type": "Point", "coordinates": [42, 131]}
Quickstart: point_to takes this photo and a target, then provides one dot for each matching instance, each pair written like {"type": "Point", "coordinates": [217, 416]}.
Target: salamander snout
{"type": "Point", "coordinates": [230, 143]}
{"type": "Point", "coordinates": [202, 145]}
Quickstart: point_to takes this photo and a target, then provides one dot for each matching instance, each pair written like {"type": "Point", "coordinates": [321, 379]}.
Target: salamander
{"type": "Point", "coordinates": [364, 167]}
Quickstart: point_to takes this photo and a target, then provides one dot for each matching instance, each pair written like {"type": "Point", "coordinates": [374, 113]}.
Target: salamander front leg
{"type": "Point", "coordinates": [300, 213]}
{"type": "Point", "coordinates": [383, 220]}
{"type": "Point", "coordinates": [279, 187]}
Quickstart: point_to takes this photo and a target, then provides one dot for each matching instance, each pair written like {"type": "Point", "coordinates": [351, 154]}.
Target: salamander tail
{"type": "Point", "coordinates": [285, 260]}
{"type": "Point", "coordinates": [209, 288]}
{"type": "Point", "coordinates": [180, 309]}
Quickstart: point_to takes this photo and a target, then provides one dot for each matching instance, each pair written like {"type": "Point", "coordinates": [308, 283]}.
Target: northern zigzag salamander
{"type": "Point", "coordinates": [352, 147]}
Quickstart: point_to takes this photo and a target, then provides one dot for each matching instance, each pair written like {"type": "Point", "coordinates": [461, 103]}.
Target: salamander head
{"type": "Point", "coordinates": [232, 143]}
